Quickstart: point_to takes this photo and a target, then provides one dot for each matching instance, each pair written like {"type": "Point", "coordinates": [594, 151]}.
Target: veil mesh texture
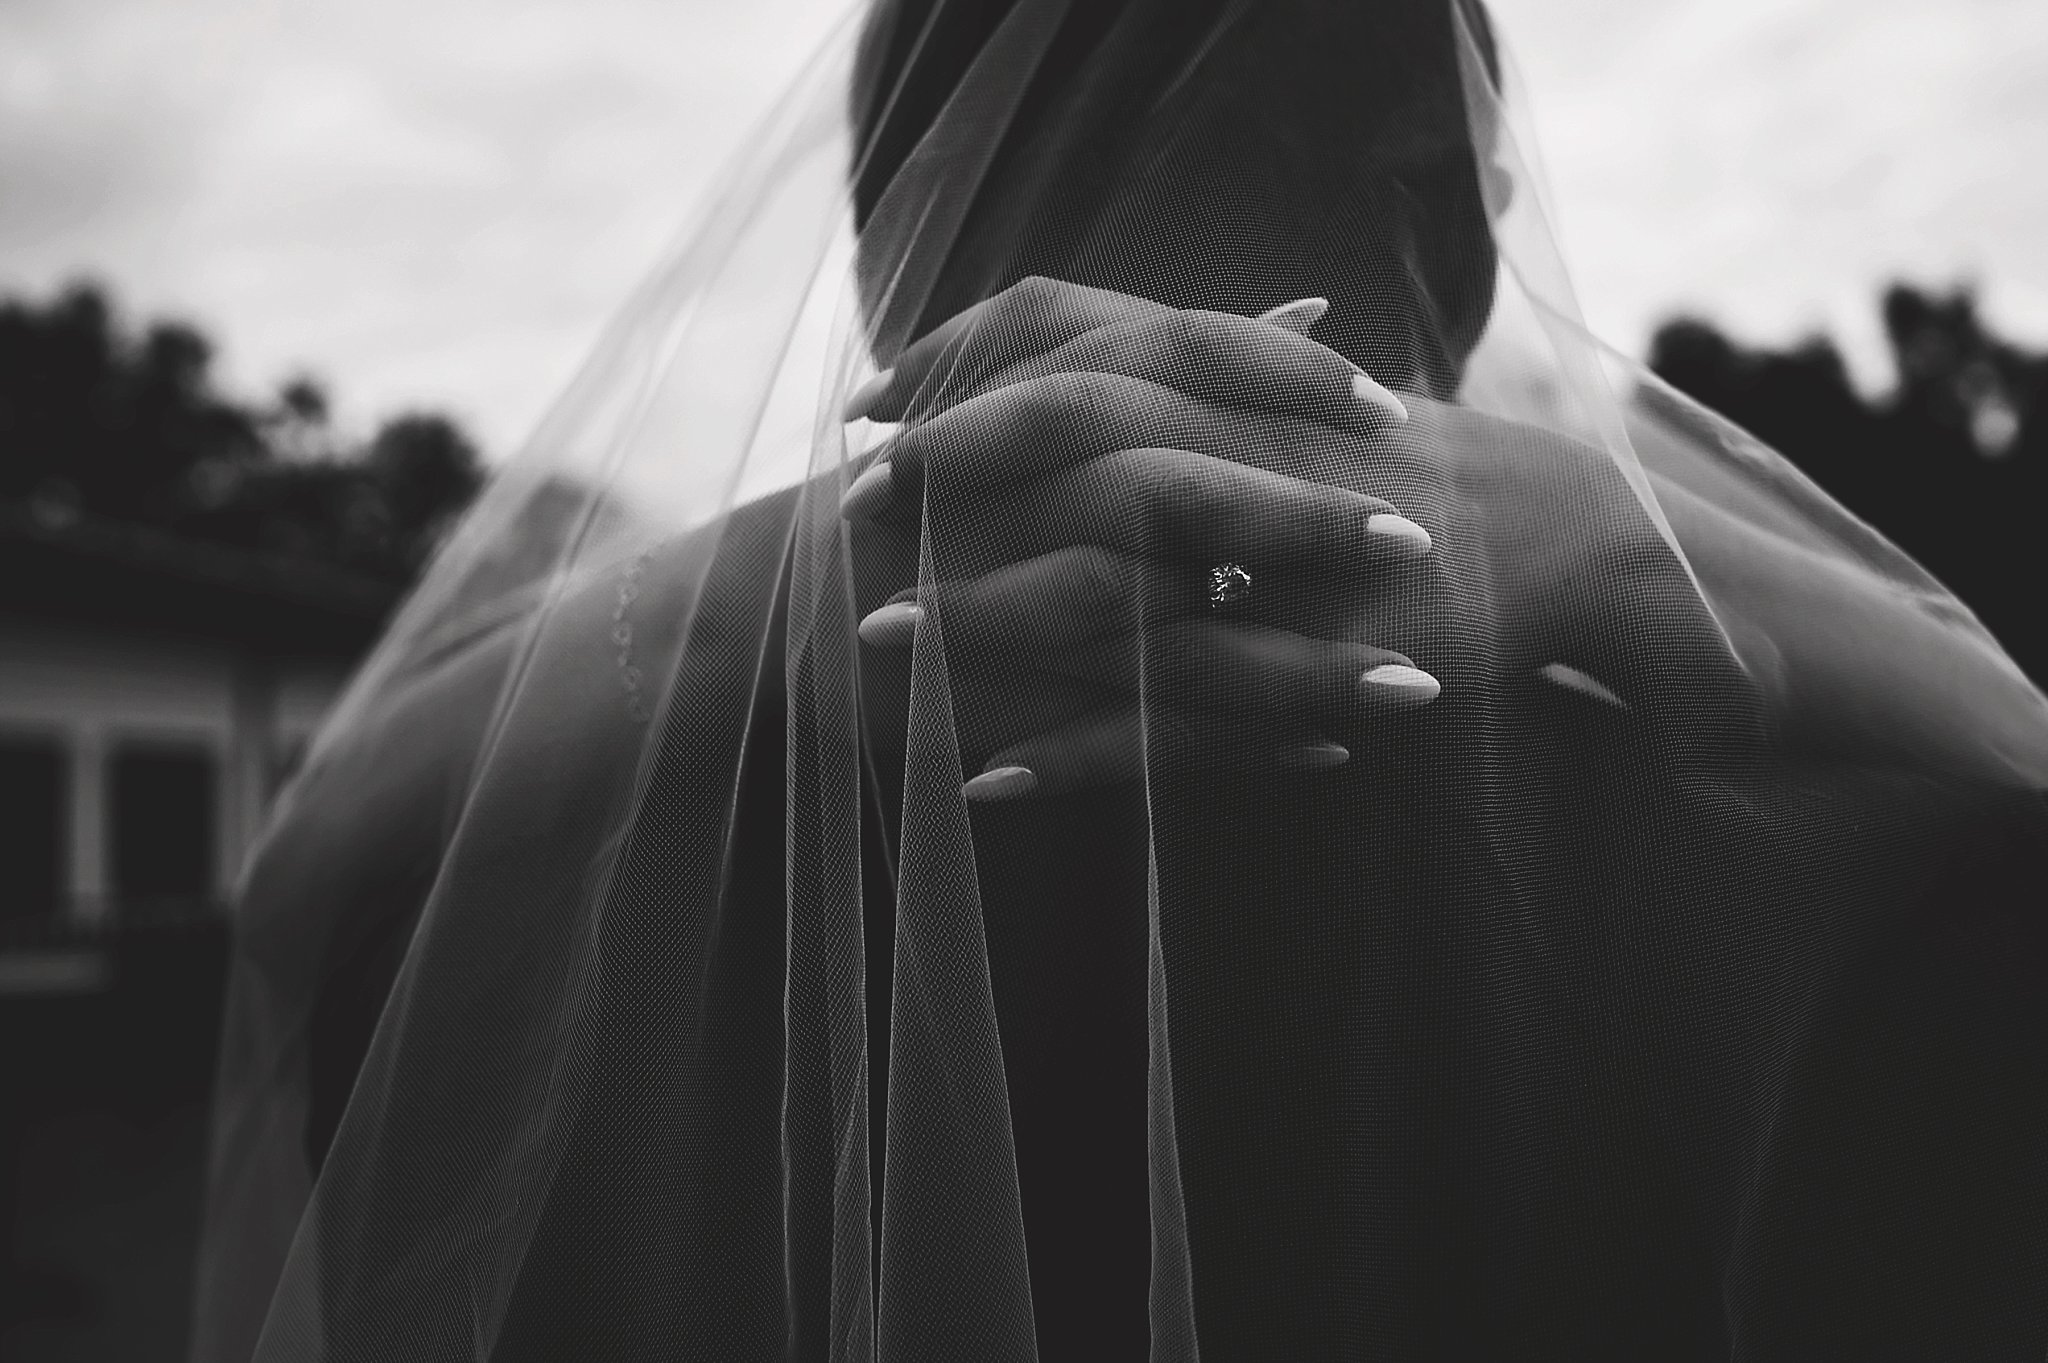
{"type": "Point", "coordinates": [976, 792]}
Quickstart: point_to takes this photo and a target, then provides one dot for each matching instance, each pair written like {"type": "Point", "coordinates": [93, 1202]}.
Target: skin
{"type": "Point", "coordinates": [1087, 488]}
{"type": "Point", "coordinates": [1072, 633]}
{"type": "Point", "coordinates": [1070, 463]}
{"type": "Point", "coordinates": [1089, 482]}
{"type": "Point", "coordinates": [1196, 439]}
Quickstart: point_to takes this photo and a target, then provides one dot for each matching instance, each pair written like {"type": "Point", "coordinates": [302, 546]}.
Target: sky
{"type": "Point", "coordinates": [438, 203]}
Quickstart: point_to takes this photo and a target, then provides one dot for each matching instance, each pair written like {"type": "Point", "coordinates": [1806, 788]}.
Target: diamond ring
{"type": "Point", "coordinates": [1229, 585]}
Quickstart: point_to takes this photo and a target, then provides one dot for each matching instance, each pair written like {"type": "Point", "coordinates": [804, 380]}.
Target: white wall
{"type": "Point", "coordinates": [93, 688]}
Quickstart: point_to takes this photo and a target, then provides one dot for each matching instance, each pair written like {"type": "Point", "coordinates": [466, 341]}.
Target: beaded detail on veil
{"type": "Point", "coordinates": [1179, 822]}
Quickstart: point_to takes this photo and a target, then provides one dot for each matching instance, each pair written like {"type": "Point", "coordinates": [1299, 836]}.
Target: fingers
{"type": "Point", "coordinates": [1269, 683]}
{"type": "Point", "coordinates": [1240, 362]}
{"type": "Point", "coordinates": [1012, 652]}
{"type": "Point", "coordinates": [1100, 749]}
{"type": "Point", "coordinates": [1026, 429]}
{"type": "Point", "coordinates": [1041, 326]}
{"type": "Point", "coordinates": [1110, 746]}
{"type": "Point", "coordinates": [1030, 317]}
{"type": "Point", "coordinates": [1042, 606]}
{"type": "Point", "coordinates": [1175, 504]}
{"type": "Point", "coordinates": [1068, 596]}
{"type": "Point", "coordinates": [1301, 315]}
{"type": "Point", "coordinates": [1261, 706]}
{"type": "Point", "coordinates": [1274, 676]}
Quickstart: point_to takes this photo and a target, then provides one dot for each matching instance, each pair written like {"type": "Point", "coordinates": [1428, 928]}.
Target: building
{"type": "Point", "coordinates": [153, 694]}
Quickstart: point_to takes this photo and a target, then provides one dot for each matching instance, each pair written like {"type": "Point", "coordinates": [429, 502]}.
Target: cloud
{"type": "Point", "coordinates": [441, 201]}
{"type": "Point", "coordinates": [428, 201]}
{"type": "Point", "coordinates": [1771, 164]}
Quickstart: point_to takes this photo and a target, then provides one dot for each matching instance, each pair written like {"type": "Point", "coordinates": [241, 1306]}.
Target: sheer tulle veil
{"type": "Point", "coordinates": [644, 967]}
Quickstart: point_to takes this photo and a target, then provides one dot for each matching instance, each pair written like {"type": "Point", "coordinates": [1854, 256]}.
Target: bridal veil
{"type": "Point", "coordinates": [633, 972]}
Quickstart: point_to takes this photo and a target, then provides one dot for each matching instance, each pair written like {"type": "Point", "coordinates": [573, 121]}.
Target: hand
{"type": "Point", "coordinates": [1078, 460]}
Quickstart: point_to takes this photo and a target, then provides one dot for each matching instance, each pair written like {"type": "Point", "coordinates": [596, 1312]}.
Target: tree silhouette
{"type": "Point", "coordinates": [94, 418]}
{"type": "Point", "coordinates": [98, 421]}
{"type": "Point", "coordinates": [1952, 464]}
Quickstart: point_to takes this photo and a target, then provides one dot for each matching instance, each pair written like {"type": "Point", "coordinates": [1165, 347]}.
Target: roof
{"type": "Point", "coordinates": [76, 567]}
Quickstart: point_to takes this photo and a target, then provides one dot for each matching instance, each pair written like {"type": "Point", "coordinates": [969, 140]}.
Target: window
{"type": "Point", "coordinates": [162, 808]}
{"type": "Point", "coordinates": [32, 826]}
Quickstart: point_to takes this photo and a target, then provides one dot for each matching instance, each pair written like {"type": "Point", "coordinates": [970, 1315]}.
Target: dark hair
{"type": "Point", "coordinates": [1330, 132]}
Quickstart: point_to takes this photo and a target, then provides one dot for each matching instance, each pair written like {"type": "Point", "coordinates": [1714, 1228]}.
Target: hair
{"type": "Point", "coordinates": [1252, 150]}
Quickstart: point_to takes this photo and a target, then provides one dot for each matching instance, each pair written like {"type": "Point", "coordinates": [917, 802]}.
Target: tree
{"type": "Point", "coordinates": [98, 420]}
{"type": "Point", "coordinates": [297, 424]}
{"type": "Point", "coordinates": [425, 467]}
{"type": "Point", "coordinates": [94, 418]}
{"type": "Point", "coordinates": [1952, 464]}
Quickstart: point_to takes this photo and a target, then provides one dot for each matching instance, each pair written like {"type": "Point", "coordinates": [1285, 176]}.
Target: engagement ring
{"type": "Point", "coordinates": [1229, 585]}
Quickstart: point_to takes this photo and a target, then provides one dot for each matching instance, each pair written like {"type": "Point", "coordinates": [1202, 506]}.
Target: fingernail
{"type": "Point", "coordinates": [1368, 391]}
{"type": "Point", "coordinates": [1402, 684]}
{"type": "Point", "coordinates": [1299, 315]}
{"type": "Point", "coordinates": [1318, 756]}
{"type": "Point", "coordinates": [1001, 783]}
{"type": "Point", "coordinates": [870, 494]}
{"type": "Point", "coordinates": [1571, 679]}
{"type": "Point", "coordinates": [862, 400]}
{"type": "Point", "coordinates": [892, 626]}
{"type": "Point", "coordinates": [1404, 532]}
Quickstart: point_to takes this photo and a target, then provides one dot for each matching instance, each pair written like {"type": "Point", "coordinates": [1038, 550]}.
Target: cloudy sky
{"type": "Point", "coordinates": [440, 201]}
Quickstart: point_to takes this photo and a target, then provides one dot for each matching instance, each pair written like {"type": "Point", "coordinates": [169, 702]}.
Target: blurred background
{"type": "Point", "coordinates": [280, 283]}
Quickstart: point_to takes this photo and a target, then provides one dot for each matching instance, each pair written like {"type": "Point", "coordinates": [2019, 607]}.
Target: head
{"type": "Point", "coordinates": [1228, 154]}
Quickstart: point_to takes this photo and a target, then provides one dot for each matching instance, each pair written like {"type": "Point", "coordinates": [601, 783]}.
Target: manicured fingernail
{"type": "Point", "coordinates": [1401, 531]}
{"type": "Point", "coordinates": [892, 626]}
{"type": "Point", "coordinates": [1571, 679]}
{"type": "Point", "coordinates": [1402, 684]}
{"type": "Point", "coordinates": [1366, 390]}
{"type": "Point", "coordinates": [1299, 315]}
{"type": "Point", "coordinates": [862, 400]}
{"type": "Point", "coordinates": [1318, 756]}
{"type": "Point", "coordinates": [870, 494]}
{"type": "Point", "coordinates": [1001, 783]}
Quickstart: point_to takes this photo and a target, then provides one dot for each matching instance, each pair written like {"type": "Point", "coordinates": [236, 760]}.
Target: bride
{"type": "Point", "coordinates": [1102, 731]}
